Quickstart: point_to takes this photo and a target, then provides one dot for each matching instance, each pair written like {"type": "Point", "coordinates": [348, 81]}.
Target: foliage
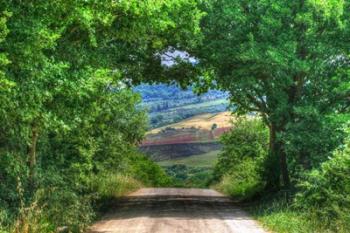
{"type": "Point", "coordinates": [278, 216]}
{"type": "Point", "coordinates": [66, 112]}
{"type": "Point", "coordinates": [68, 116]}
{"type": "Point", "coordinates": [243, 181]}
{"type": "Point", "coordinates": [111, 185]}
{"type": "Point", "coordinates": [68, 161]}
{"type": "Point", "coordinates": [148, 172]}
{"type": "Point", "coordinates": [326, 192]}
{"type": "Point", "coordinates": [240, 168]}
{"type": "Point", "coordinates": [46, 212]}
{"type": "Point", "coordinates": [321, 202]}
{"type": "Point", "coordinates": [190, 177]}
{"type": "Point", "coordinates": [287, 61]}
{"type": "Point", "coordinates": [247, 139]}
{"type": "Point", "coordinates": [303, 140]}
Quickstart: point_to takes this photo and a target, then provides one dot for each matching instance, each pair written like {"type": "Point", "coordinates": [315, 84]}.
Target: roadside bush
{"type": "Point", "coordinates": [62, 207]}
{"type": "Point", "coordinates": [240, 166]}
{"type": "Point", "coordinates": [110, 185]}
{"type": "Point", "coordinates": [135, 171]}
{"type": "Point", "coordinates": [56, 191]}
{"type": "Point", "coordinates": [148, 172]}
{"type": "Point", "coordinates": [3, 218]}
{"type": "Point", "coordinates": [275, 213]}
{"type": "Point", "coordinates": [188, 176]}
{"type": "Point", "coordinates": [325, 193]}
{"type": "Point", "coordinates": [243, 181]}
{"type": "Point", "coordinates": [56, 204]}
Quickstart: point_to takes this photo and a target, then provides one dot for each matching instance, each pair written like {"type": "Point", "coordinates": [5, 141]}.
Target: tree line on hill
{"type": "Point", "coordinates": [167, 104]}
{"type": "Point", "coordinates": [172, 92]}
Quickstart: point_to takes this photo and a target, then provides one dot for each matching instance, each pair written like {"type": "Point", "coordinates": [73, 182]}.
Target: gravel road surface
{"type": "Point", "coordinates": [173, 210]}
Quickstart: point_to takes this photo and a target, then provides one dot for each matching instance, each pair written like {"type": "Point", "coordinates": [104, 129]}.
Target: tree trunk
{"type": "Point", "coordinates": [304, 160]}
{"type": "Point", "coordinates": [32, 155]}
{"type": "Point", "coordinates": [272, 166]}
{"type": "Point", "coordinates": [278, 167]}
{"type": "Point", "coordinates": [284, 167]}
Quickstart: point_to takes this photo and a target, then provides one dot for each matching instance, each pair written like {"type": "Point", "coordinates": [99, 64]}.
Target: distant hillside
{"type": "Point", "coordinates": [176, 151]}
{"type": "Point", "coordinates": [168, 104]}
{"type": "Point", "coordinates": [206, 160]}
{"type": "Point", "coordinates": [198, 129]}
{"type": "Point", "coordinates": [156, 92]}
{"type": "Point", "coordinates": [208, 122]}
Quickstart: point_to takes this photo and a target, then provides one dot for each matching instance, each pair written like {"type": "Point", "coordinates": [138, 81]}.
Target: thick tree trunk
{"type": "Point", "coordinates": [272, 167]}
{"type": "Point", "coordinates": [278, 161]}
{"type": "Point", "coordinates": [305, 160]}
{"type": "Point", "coordinates": [284, 168]}
{"type": "Point", "coordinates": [32, 154]}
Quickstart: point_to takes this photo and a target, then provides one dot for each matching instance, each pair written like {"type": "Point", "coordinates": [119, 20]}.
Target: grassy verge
{"type": "Point", "coordinates": [34, 216]}
{"type": "Point", "coordinates": [279, 217]}
{"type": "Point", "coordinates": [60, 207]}
{"type": "Point", "coordinates": [115, 185]}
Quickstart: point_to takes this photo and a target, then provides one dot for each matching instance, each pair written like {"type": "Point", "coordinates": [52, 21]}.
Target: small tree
{"type": "Point", "coordinates": [214, 126]}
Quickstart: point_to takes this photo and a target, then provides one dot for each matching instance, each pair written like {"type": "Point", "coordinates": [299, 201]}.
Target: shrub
{"type": "Point", "coordinates": [32, 219]}
{"type": "Point", "coordinates": [275, 213]}
{"type": "Point", "coordinates": [188, 176]}
{"type": "Point", "coordinates": [137, 171]}
{"type": "Point", "coordinates": [4, 219]}
{"type": "Point", "coordinates": [325, 193]}
{"type": "Point", "coordinates": [76, 213]}
{"type": "Point", "coordinates": [240, 166]}
{"type": "Point", "coordinates": [148, 172]}
{"type": "Point", "coordinates": [243, 181]}
{"type": "Point", "coordinates": [111, 185]}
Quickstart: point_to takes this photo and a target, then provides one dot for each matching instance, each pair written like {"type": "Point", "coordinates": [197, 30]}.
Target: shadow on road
{"type": "Point", "coordinates": [156, 206]}
{"type": "Point", "coordinates": [175, 213]}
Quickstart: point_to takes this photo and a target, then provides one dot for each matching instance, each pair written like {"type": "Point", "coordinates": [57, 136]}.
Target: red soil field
{"type": "Point", "coordinates": [180, 136]}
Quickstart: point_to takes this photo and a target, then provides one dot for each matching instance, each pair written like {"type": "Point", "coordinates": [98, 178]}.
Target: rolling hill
{"type": "Point", "coordinates": [184, 130]}
{"type": "Point", "coordinates": [194, 136]}
{"type": "Point", "coordinates": [168, 104]}
{"type": "Point", "coordinates": [202, 122]}
{"type": "Point", "coordinates": [198, 129]}
{"type": "Point", "coordinates": [204, 160]}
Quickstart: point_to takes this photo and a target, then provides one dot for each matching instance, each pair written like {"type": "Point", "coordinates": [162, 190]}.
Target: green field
{"type": "Point", "coordinates": [175, 114]}
{"type": "Point", "coordinates": [203, 160]}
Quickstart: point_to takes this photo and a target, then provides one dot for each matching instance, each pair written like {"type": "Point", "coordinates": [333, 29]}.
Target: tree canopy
{"type": "Point", "coordinates": [67, 113]}
{"type": "Point", "coordinates": [286, 60]}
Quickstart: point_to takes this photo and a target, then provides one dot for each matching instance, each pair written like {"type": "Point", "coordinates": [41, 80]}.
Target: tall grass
{"type": "Point", "coordinates": [31, 217]}
{"type": "Point", "coordinates": [51, 209]}
{"type": "Point", "coordinates": [114, 185]}
{"type": "Point", "coordinates": [242, 182]}
{"type": "Point", "coordinates": [279, 217]}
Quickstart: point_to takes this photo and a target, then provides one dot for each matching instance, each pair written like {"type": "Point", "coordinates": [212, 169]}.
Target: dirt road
{"type": "Point", "coordinates": [172, 210]}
